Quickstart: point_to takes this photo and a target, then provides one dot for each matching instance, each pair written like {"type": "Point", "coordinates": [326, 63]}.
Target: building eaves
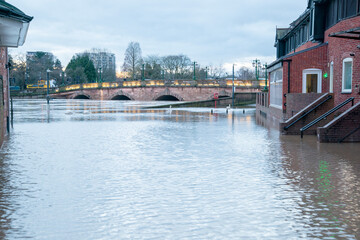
{"type": "Point", "coordinates": [294, 54]}
{"type": "Point", "coordinates": [9, 11]}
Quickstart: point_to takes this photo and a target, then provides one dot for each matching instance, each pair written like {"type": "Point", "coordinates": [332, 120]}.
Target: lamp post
{"type": "Point", "coordinates": [143, 72]}
{"type": "Point", "coordinates": [47, 85]}
{"type": "Point", "coordinates": [194, 78]}
{"type": "Point", "coordinates": [266, 77]}
{"type": "Point", "coordinates": [233, 86]}
{"type": "Point", "coordinates": [257, 64]}
{"type": "Point", "coordinates": [100, 71]}
{"type": "Point", "coordinates": [62, 75]}
{"type": "Point", "coordinates": [26, 77]}
{"type": "Point", "coordinates": [206, 73]}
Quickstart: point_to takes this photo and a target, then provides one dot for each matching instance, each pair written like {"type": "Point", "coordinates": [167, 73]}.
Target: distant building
{"type": "Point", "coordinates": [317, 68]}
{"type": "Point", "coordinates": [103, 60]}
{"type": "Point", "coordinates": [104, 63]}
{"type": "Point", "coordinates": [14, 26]}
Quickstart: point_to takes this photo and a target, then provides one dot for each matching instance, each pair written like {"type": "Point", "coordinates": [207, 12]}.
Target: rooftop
{"type": "Point", "coordinates": [9, 11]}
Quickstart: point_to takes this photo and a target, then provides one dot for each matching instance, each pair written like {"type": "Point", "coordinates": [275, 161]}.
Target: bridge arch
{"type": "Point", "coordinates": [81, 96]}
{"type": "Point", "coordinates": [121, 96]}
{"type": "Point", "coordinates": [167, 98]}
{"type": "Point", "coordinates": [167, 95]}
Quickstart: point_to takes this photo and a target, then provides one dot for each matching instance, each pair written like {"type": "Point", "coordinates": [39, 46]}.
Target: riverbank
{"type": "Point", "coordinates": [220, 103]}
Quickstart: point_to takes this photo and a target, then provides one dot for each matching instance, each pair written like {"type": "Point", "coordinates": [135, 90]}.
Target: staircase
{"type": "Point", "coordinates": [319, 118]}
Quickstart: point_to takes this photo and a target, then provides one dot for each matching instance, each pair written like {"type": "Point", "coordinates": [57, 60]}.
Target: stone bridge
{"type": "Point", "coordinates": [152, 91]}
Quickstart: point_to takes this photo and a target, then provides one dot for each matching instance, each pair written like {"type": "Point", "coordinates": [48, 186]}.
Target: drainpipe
{"type": "Point", "coordinates": [7, 105]}
{"type": "Point", "coordinates": [289, 65]}
{"type": "Point", "coordinates": [288, 61]}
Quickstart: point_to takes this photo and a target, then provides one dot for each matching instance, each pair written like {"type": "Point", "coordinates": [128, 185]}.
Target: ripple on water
{"type": "Point", "coordinates": [109, 170]}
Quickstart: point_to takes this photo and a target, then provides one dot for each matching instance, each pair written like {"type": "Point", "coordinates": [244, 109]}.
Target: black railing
{"type": "Point", "coordinates": [308, 112]}
{"type": "Point", "coordinates": [325, 115]}
{"type": "Point", "coordinates": [349, 134]}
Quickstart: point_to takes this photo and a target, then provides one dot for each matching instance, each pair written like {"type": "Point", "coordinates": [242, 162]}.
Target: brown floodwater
{"type": "Point", "coordinates": [113, 170]}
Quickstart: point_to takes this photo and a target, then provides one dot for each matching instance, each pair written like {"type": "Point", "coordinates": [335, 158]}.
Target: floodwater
{"type": "Point", "coordinates": [111, 170]}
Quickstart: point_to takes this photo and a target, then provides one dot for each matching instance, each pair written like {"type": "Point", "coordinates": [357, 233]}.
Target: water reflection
{"type": "Point", "coordinates": [115, 170]}
{"type": "Point", "coordinates": [326, 177]}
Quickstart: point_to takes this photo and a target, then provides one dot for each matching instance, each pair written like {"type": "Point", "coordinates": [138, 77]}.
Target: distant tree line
{"type": "Point", "coordinates": [29, 69]}
{"type": "Point", "coordinates": [172, 67]}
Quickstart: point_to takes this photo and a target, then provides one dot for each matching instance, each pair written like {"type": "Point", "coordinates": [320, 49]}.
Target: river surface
{"type": "Point", "coordinates": [111, 170]}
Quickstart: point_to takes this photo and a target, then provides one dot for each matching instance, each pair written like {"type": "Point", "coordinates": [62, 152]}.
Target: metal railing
{"type": "Point", "coordinates": [263, 99]}
{"type": "Point", "coordinates": [325, 115]}
{"type": "Point", "coordinates": [308, 112]}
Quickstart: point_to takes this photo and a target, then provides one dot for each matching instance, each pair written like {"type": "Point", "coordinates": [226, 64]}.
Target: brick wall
{"type": "Point", "coordinates": [342, 126]}
{"type": "Point", "coordinates": [305, 46]}
{"type": "Point", "coordinates": [295, 102]}
{"type": "Point", "coordinates": [338, 50]}
{"type": "Point", "coordinates": [312, 59]}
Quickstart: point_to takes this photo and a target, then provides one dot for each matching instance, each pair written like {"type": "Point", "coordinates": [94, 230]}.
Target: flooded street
{"type": "Point", "coordinates": [110, 170]}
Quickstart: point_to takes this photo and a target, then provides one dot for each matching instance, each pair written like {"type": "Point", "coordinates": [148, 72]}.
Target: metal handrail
{"type": "Point", "coordinates": [308, 112]}
{"type": "Point", "coordinates": [322, 117]}
{"type": "Point", "coordinates": [348, 135]}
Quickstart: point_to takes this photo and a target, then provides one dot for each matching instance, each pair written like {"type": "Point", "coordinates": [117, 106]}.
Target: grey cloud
{"type": "Point", "coordinates": [207, 31]}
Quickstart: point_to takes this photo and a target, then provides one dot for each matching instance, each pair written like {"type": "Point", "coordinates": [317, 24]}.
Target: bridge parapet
{"type": "Point", "coordinates": [246, 84]}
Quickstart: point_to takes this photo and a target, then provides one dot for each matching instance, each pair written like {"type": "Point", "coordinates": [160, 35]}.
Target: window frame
{"type": "Point", "coordinates": [331, 80]}
{"type": "Point", "coordinates": [343, 89]}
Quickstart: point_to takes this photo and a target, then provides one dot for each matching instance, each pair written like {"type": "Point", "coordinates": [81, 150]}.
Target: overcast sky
{"type": "Point", "coordinates": [209, 32]}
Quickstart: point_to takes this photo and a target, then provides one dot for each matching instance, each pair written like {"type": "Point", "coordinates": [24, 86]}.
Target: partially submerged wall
{"type": "Point", "coordinates": [345, 127]}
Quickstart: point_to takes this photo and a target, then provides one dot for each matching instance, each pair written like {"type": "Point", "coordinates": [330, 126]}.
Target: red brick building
{"type": "Point", "coordinates": [317, 69]}
{"type": "Point", "coordinates": [14, 25]}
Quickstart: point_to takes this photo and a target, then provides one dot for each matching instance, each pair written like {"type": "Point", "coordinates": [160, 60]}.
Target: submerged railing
{"type": "Point", "coordinates": [308, 112]}
{"type": "Point", "coordinates": [325, 115]}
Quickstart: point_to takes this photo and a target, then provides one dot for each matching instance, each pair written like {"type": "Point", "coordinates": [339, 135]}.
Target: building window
{"type": "Point", "coordinates": [347, 75]}
{"type": "Point", "coordinates": [276, 88]}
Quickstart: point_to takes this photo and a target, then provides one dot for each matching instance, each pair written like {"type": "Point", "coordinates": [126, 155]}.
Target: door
{"type": "Point", "coordinates": [312, 81]}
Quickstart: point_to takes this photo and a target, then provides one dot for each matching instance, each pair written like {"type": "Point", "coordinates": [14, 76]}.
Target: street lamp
{"type": "Point", "coordinates": [194, 78]}
{"type": "Point", "coordinates": [62, 75]}
{"type": "Point", "coordinates": [100, 71]}
{"type": "Point", "coordinates": [206, 73]}
{"type": "Point", "coordinates": [266, 76]}
{"type": "Point", "coordinates": [233, 86]}
{"type": "Point", "coordinates": [143, 72]}
{"type": "Point", "coordinates": [26, 77]}
{"type": "Point", "coordinates": [257, 64]}
{"type": "Point", "coordinates": [48, 83]}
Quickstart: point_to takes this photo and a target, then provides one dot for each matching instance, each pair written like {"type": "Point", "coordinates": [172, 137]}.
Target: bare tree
{"type": "Point", "coordinates": [216, 71]}
{"type": "Point", "coordinates": [133, 59]}
{"type": "Point", "coordinates": [245, 73]}
{"type": "Point", "coordinates": [177, 66]}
